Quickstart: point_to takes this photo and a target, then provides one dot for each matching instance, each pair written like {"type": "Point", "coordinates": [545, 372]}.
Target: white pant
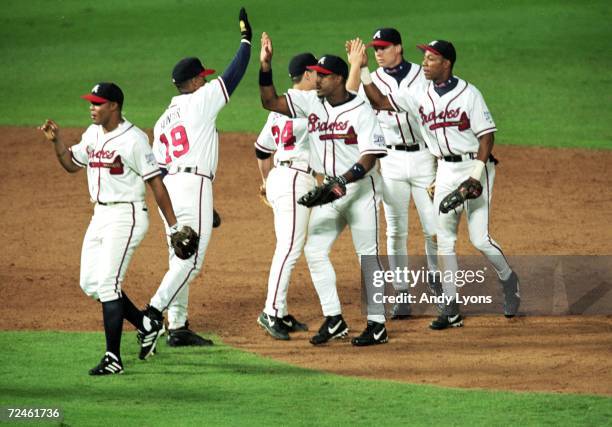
{"type": "Point", "coordinates": [284, 186]}
{"type": "Point", "coordinates": [359, 209]}
{"type": "Point", "coordinates": [404, 174]}
{"type": "Point", "coordinates": [114, 233]}
{"type": "Point", "coordinates": [449, 176]}
{"type": "Point", "coordinates": [192, 200]}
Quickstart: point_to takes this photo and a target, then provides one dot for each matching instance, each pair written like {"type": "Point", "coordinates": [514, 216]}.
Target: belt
{"type": "Point", "coordinates": [112, 203]}
{"type": "Point", "coordinates": [412, 147]}
{"type": "Point", "coordinates": [469, 156]}
{"type": "Point", "coordinates": [289, 164]}
{"type": "Point", "coordinates": [188, 169]}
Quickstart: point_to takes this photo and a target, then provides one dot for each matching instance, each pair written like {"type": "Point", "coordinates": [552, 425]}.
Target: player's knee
{"type": "Point", "coordinates": [481, 242]}
{"type": "Point", "coordinates": [446, 246]}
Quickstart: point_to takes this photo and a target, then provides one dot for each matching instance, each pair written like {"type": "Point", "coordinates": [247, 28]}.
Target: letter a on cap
{"type": "Point", "coordinates": [95, 89]}
{"type": "Point", "coordinates": [377, 35]}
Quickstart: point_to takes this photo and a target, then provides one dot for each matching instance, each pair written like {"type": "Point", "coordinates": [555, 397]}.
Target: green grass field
{"type": "Point", "coordinates": [541, 65]}
{"type": "Point", "coordinates": [224, 386]}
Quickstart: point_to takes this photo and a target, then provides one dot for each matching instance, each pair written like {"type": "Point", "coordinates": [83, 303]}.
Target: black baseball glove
{"type": "Point", "coordinates": [245, 28]}
{"type": "Point", "coordinates": [185, 242]}
{"type": "Point", "coordinates": [468, 189]}
{"type": "Point", "coordinates": [332, 189]}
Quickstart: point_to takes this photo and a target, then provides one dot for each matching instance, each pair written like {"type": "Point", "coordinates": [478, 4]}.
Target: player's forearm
{"type": "Point", "coordinates": [64, 157]}
{"type": "Point", "coordinates": [360, 168]}
{"type": "Point", "coordinates": [237, 68]}
{"type": "Point", "coordinates": [484, 152]}
{"type": "Point", "coordinates": [163, 199]}
{"type": "Point", "coordinates": [265, 166]}
{"type": "Point", "coordinates": [354, 80]}
{"type": "Point", "coordinates": [377, 99]}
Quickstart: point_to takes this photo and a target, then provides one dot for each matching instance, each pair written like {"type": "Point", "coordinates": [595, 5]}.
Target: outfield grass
{"type": "Point", "coordinates": [541, 64]}
{"type": "Point", "coordinates": [224, 386]}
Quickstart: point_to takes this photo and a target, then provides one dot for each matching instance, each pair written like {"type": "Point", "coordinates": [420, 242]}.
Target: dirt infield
{"type": "Point", "coordinates": [547, 201]}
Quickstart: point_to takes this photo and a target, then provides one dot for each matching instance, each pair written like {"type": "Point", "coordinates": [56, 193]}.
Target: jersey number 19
{"type": "Point", "coordinates": [180, 142]}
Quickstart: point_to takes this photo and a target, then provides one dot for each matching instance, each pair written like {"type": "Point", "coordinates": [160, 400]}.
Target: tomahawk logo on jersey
{"type": "Point", "coordinates": [123, 153]}
{"type": "Point", "coordinates": [451, 123]}
{"type": "Point", "coordinates": [340, 134]}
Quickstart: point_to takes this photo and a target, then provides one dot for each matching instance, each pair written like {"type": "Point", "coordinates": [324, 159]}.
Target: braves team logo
{"type": "Point", "coordinates": [115, 167]}
{"type": "Point", "coordinates": [315, 125]}
{"type": "Point", "coordinates": [462, 124]}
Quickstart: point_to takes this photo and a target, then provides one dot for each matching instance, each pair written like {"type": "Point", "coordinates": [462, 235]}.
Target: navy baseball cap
{"type": "Point", "coordinates": [299, 63]}
{"type": "Point", "coordinates": [105, 92]}
{"type": "Point", "coordinates": [384, 37]}
{"type": "Point", "coordinates": [330, 64]}
{"type": "Point", "coordinates": [440, 47]}
{"type": "Point", "coordinates": [188, 68]}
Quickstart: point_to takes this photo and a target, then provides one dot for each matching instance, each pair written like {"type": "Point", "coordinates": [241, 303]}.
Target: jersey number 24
{"type": "Point", "coordinates": [286, 137]}
{"type": "Point", "coordinates": [180, 142]}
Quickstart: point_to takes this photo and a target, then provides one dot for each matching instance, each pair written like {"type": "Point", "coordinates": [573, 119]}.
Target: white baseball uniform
{"type": "Point", "coordinates": [186, 143]}
{"type": "Point", "coordinates": [118, 163]}
{"type": "Point", "coordinates": [340, 135]}
{"type": "Point", "coordinates": [291, 178]}
{"type": "Point", "coordinates": [408, 169]}
{"type": "Point", "coordinates": [451, 125]}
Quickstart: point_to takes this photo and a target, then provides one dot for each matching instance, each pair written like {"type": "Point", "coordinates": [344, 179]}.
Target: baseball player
{"type": "Point", "coordinates": [119, 161]}
{"type": "Point", "coordinates": [347, 141]}
{"type": "Point", "coordinates": [186, 145]}
{"type": "Point", "coordinates": [284, 184]}
{"type": "Point", "coordinates": [459, 131]}
{"type": "Point", "coordinates": [409, 168]}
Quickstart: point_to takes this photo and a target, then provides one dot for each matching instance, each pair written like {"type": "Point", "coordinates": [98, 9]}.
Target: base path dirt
{"type": "Point", "coordinates": [546, 202]}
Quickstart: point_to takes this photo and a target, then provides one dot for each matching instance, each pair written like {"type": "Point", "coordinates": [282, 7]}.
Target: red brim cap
{"type": "Point", "coordinates": [94, 98]}
{"type": "Point", "coordinates": [207, 73]}
{"type": "Point", "coordinates": [379, 43]}
{"type": "Point", "coordinates": [319, 69]}
{"type": "Point", "coordinates": [426, 47]}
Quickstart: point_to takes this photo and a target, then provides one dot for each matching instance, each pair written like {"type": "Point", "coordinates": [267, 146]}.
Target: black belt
{"type": "Point", "coordinates": [189, 169]}
{"type": "Point", "coordinates": [289, 164]}
{"type": "Point", "coordinates": [111, 203]}
{"type": "Point", "coordinates": [413, 147]}
{"type": "Point", "coordinates": [469, 156]}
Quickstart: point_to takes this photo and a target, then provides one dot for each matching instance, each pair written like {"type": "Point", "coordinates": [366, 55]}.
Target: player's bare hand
{"type": "Point", "coordinates": [50, 129]}
{"type": "Point", "coordinates": [357, 53]}
{"type": "Point", "coordinates": [265, 57]}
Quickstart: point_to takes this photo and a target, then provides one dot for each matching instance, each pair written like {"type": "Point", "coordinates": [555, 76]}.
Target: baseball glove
{"type": "Point", "coordinates": [263, 196]}
{"type": "Point", "coordinates": [332, 189]}
{"type": "Point", "coordinates": [185, 242]}
{"type": "Point", "coordinates": [468, 189]}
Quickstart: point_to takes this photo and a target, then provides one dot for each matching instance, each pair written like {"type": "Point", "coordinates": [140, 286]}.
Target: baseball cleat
{"type": "Point", "coordinates": [109, 365]}
{"type": "Point", "coordinates": [293, 325]}
{"type": "Point", "coordinates": [153, 322]}
{"type": "Point", "coordinates": [401, 310]}
{"type": "Point", "coordinates": [332, 328]}
{"type": "Point", "coordinates": [183, 337]}
{"type": "Point", "coordinates": [374, 333]}
{"type": "Point", "coordinates": [273, 326]}
{"type": "Point", "coordinates": [512, 297]}
{"type": "Point", "coordinates": [444, 322]}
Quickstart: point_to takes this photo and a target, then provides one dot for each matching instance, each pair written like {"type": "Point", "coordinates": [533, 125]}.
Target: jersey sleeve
{"type": "Point", "coordinates": [159, 150]}
{"type": "Point", "coordinates": [211, 97]}
{"type": "Point", "coordinates": [481, 120]}
{"type": "Point", "coordinates": [300, 102]}
{"type": "Point", "coordinates": [403, 99]}
{"type": "Point", "coordinates": [142, 160]}
{"type": "Point", "coordinates": [370, 137]}
{"type": "Point", "coordinates": [78, 152]}
{"type": "Point", "coordinates": [265, 140]}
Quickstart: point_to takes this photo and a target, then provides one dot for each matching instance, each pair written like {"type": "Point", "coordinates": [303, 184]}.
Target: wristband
{"type": "Point", "coordinates": [477, 171]}
{"type": "Point", "coordinates": [366, 78]}
{"type": "Point", "coordinates": [265, 78]}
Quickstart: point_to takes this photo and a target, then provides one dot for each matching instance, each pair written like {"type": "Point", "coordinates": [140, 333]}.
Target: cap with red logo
{"type": "Point", "coordinates": [105, 92]}
{"type": "Point", "coordinates": [188, 68]}
{"type": "Point", "coordinates": [330, 64]}
{"type": "Point", "coordinates": [440, 47]}
{"type": "Point", "coordinates": [384, 37]}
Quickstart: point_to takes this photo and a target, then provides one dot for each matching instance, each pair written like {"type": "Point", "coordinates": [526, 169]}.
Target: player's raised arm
{"type": "Point", "coordinates": [359, 67]}
{"type": "Point", "coordinates": [51, 131]}
{"type": "Point", "coordinates": [269, 99]}
{"type": "Point", "coordinates": [236, 69]}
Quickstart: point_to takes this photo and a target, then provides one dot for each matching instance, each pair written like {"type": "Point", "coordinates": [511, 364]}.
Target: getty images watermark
{"type": "Point", "coordinates": [549, 285]}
